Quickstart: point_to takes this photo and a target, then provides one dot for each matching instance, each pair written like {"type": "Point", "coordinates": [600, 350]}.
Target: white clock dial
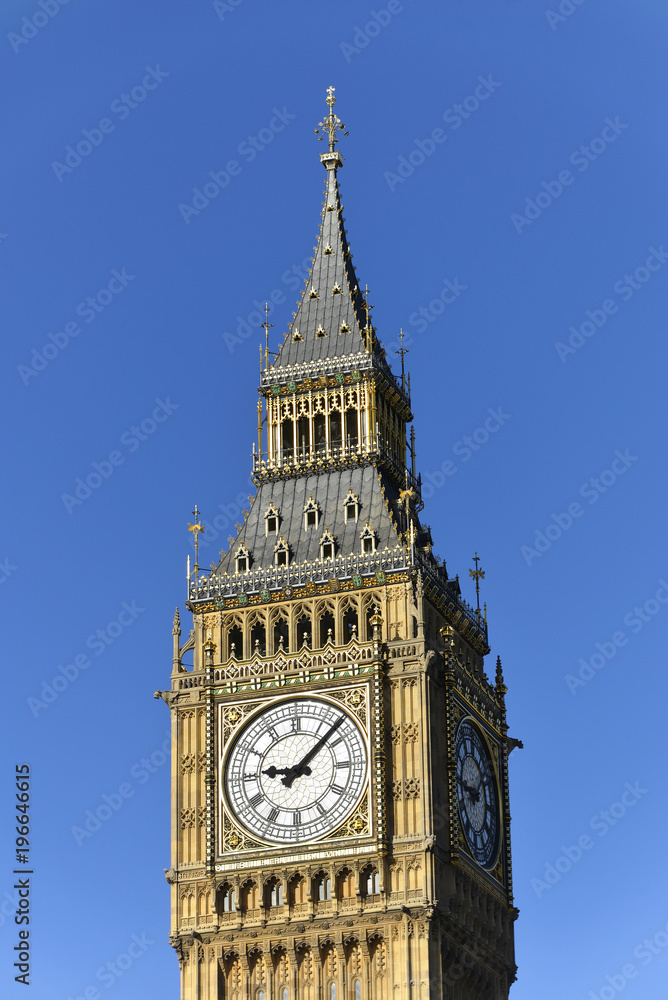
{"type": "Point", "coordinates": [296, 770]}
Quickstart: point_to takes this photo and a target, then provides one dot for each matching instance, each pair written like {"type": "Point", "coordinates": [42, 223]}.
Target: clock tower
{"type": "Point", "coordinates": [340, 817]}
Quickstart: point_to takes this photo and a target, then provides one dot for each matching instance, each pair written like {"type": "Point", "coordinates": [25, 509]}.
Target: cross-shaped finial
{"type": "Point", "coordinates": [196, 528]}
{"type": "Point", "coordinates": [477, 574]}
{"type": "Point", "coordinates": [332, 124]}
{"type": "Point", "coordinates": [403, 351]}
{"type": "Point", "coordinates": [266, 326]}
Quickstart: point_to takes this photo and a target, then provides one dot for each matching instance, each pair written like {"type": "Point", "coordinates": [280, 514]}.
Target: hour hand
{"type": "Point", "coordinates": [272, 771]}
{"type": "Point", "coordinates": [473, 792]}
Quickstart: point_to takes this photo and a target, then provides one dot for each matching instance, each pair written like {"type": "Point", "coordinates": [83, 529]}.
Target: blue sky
{"type": "Point", "coordinates": [542, 202]}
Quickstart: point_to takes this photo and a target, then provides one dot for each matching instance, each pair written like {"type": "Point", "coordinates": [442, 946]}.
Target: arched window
{"type": "Point", "coordinates": [311, 514]}
{"type": "Point", "coordinates": [368, 539]}
{"type": "Point", "coordinates": [281, 552]}
{"type": "Point", "coordinates": [327, 545]}
{"type": "Point", "coordinates": [372, 883]}
{"type": "Point", "coordinates": [332, 991]}
{"type": "Point", "coordinates": [324, 888]}
{"type": "Point", "coordinates": [242, 559]}
{"type": "Point", "coordinates": [351, 506]}
{"type": "Point", "coordinates": [229, 901]}
{"type": "Point", "coordinates": [260, 995]}
{"type": "Point", "coordinates": [271, 519]}
{"type": "Point", "coordinates": [276, 897]}
{"type": "Point", "coordinates": [358, 990]}
{"type": "Point", "coordinates": [236, 642]}
{"type": "Point", "coordinates": [284, 994]}
{"type": "Point", "coordinates": [327, 629]}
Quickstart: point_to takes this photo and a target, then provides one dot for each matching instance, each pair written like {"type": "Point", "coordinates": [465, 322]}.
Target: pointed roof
{"type": "Point", "coordinates": [332, 319]}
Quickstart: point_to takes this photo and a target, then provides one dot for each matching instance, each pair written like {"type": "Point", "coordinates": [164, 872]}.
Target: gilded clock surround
{"type": "Point", "coordinates": [390, 905]}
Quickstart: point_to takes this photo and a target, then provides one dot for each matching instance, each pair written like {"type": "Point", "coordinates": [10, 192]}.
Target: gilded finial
{"type": "Point", "coordinates": [196, 528]}
{"type": "Point", "coordinates": [478, 575]}
{"type": "Point", "coordinates": [332, 124]}
{"type": "Point", "coordinates": [266, 326]}
{"type": "Point", "coordinates": [403, 351]}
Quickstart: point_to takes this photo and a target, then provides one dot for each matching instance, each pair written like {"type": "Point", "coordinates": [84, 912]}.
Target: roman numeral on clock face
{"type": "Point", "coordinates": [255, 801]}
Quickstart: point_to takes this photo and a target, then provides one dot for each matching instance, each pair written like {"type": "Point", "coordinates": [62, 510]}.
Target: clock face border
{"type": "Point", "coordinates": [241, 838]}
{"type": "Point", "coordinates": [490, 863]}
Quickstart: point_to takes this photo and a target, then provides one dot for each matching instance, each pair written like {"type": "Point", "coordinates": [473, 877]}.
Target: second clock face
{"type": "Point", "coordinates": [477, 794]}
{"type": "Point", "coordinates": [296, 770]}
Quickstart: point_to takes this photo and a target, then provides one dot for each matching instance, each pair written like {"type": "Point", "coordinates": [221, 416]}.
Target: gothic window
{"type": "Point", "coordinates": [303, 434]}
{"type": "Point", "coordinates": [288, 437]}
{"type": "Point", "coordinates": [321, 332]}
{"type": "Point", "coordinates": [319, 438]}
{"type": "Point", "coordinates": [324, 888]}
{"type": "Point", "coordinates": [346, 884]}
{"type": "Point", "coordinates": [284, 994]}
{"type": "Point", "coordinates": [368, 539]}
{"type": "Point", "coordinates": [296, 336]}
{"type": "Point", "coordinates": [229, 902]}
{"type": "Point", "coordinates": [327, 545]}
{"type": "Point", "coordinates": [303, 631]}
{"type": "Point", "coordinates": [327, 626]}
{"type": "Point", "coordinates": [236, 642]}
{"type": "Point", "coordinates": [358, 990]}
{"type": "Point", "coordinates": [337, 290]}
{"type": "Point", "coordinates": [275, 894]}
{"type": "Point", "coordinates": [350, 625]}
{"type": "Point", "coordinates": [344, 328]}
{"type": "Point", "coordinates": [242, 559]}
{"type": "Point", "coordinates": [271, 519]}
{"type": "Point", "coordinates": [351, 427]}
{"type": "Point", "coordinates": [332, 991]}
{"type": "Point", "coordinates": [328, 250]}
{"type": "Point", "coordinates": [351, 505]}
{"type": "Point", "coordinates": [260, 995]}
{"type": "Point", "coordinates": [281, 552]}
{"type": "Point", "coordinates": [258, 638]}
{"type": "Point", "coordinates": [280, 633]}
{"type": "Point", "coordinates": [372, 883]}
{"type": "Point", "coordinates": [313, 294]}
{"type": "Point", "coordinates": [297, 890]}
{"type": "Point", "coordinates": [311, 514]}
{"type": "Point", "coordinates": [335, 429]}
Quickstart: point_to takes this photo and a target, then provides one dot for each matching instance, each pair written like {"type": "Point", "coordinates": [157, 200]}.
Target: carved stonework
{"type": "Point", "coordinates": [187, 819]}
{"type": "Point", "coordinates": [411, 732]}
{"type": "Point", "coordinates": [412, 788]}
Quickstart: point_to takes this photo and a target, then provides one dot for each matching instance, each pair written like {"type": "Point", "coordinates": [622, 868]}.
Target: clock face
{"type": "Point", "coordinates": [296, 770]}
{"type": "Point", "coordinates": [477, 794]}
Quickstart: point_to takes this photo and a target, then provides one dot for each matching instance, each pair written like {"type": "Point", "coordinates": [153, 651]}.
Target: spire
{"type": "Point", "coordinates": [501, 688]}
{"type": "Point", "coordinates": [333, 319]}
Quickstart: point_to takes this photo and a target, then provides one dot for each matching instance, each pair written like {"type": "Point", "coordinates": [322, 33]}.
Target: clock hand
{"type": "Point", "coordinates": [302, 767]}
{"type": "Point", "coordinates": [272, 771]}
{"type": "Point", "coordinates": [469, 788]}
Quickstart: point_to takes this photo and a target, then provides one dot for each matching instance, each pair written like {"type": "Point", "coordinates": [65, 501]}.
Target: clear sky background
{"type": "Point", "coordinates": [534, 253]}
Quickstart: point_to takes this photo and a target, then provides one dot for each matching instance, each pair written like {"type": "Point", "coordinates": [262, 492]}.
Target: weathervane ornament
{"type": "Point", "coordinates": [196, 528]}
{"type": "Point", "coordinates": [332, 124]}
{"type": "Point", "coordinates": [478, 575]}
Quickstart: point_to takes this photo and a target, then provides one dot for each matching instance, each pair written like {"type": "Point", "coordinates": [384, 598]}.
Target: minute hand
{"type": "Point", "coordinates": [300, 768]}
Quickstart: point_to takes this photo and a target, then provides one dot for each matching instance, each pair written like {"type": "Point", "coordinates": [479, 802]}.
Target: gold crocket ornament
{"type": "Point", "coordinates": [340, 812]}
